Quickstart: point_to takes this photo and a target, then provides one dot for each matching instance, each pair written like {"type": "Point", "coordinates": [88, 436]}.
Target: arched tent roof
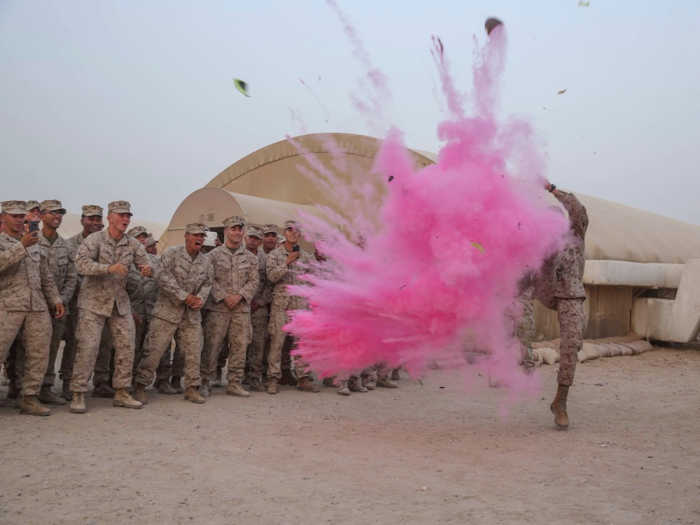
{"type": "Point", "coordinates": [71, 226]}
{"type": "Point", "coordinates": [616, 232]}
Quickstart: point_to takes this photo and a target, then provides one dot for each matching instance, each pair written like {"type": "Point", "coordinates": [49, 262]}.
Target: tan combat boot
{"type": "Point", "coordinates": [193, 395]}
{"type": "Point", "coordinates": [103, 390]}
{"type": "Point", "coordinates": [166, 388]}
{"type": "Point", "coordinates": [31, 406]}
{"type": "Point", "coordinates": [236, 389]}
{"type": "Point", "coordinates": [272, 385]}
{"type": "Point", "coordinates": [306, 386]}
{"type": "Point", "coordinates": [77, 405]}
{"type": "Point", "coordinates": [122, 398]}
{"type": "Point", "coordinates": [65, 390]}
{"type": "Point", "coordinates": [395, 374]}
{"type": "Point", "coordinates": [354, 385]}
{"type": "Point", "coordinates": [176, 383]}
{"type": "Point", "coordinates": [49, 398]}
{"type": "Point", "coordinates": [343, 389]}
{"type": "Point", "coordinates": [217, 380]}
{"type": "Point", "coordinates": [385, 382]}
{"type": "Point", "coordinates": [204, 389]}
{"type": "Point", "coordinates": [558, 407]}
{"type": "Point", "coordinates": [369, 381]}
{"type": "Point", "coordinates": [256, 384]}
{"type": "Point", "coordinates": [140, 394]}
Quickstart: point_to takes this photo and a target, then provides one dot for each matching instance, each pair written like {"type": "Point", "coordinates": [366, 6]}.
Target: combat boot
{"type": "Point", "coordinates": [12, 390]}
{"type": "Point", "coordinates": [217, 380]}
{"type": "Point", "coordinates": [355, 386]}
{"type": "Point", "coordinates": [256, 384]}
{"type": "Point", "coordinates": [236, 389]}
{"type": "Point", "coordinates": [32, 407]}
{"type": "Point", "coordinates": [204, 389]}
{"type": "Point", "coordinates": [193, 395]}
{"type": "Point", "coordinates": [272, 385]}
{"type": "Point", "coordinates": [328, 381]}
{"type": "Point", "coordinates": [176, 383]}
{"type": "Point", "coordinates": [140, 394]}
{"type": "Point", "coordinates": [103, 390]}
{"type": "Point", "coordinates": [288, 379]}
{"type": "Point", "coordinates": [65, 390]}
{"type": "Point", "coordinates": [558, 407]}
{"type": "Point", "coordinates": [77, 405]}
{"type": "Point", "coordinates": [305, 385]}
{"type": "Point", "coordinates": [385, 382]}
{"type": "Point", "coordinates": [122, 398]}
{"type": "Point", "coordinates": [395, 374]}
{"type": "Point", "coordinates": [167, 389]}
{"type": "Point", "coordinates": [343, 389]}
{"type": "Point", "coordinates": [47, 397]}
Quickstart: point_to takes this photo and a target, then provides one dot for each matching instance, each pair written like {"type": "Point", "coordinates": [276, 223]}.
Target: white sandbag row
{"type": "Point", "coordinates": [631, 344]}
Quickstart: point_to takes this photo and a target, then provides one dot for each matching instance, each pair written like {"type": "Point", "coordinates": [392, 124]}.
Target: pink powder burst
{"type": "Point", "coordinates": [437, 278]}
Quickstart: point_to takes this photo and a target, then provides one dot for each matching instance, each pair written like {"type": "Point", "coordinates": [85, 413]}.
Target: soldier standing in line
{"type": "Point", "coordinates": [283, 267]}
{"type": "Point", "coordinates": [104, 260]}
{"type": "Point", "coordinates": [228, 310]}
{"type": "Point", "coordinates": [91, 221]}
{"type": "Point", "coordinates": [559, 286]}
{"type": "Point", "coordinates": [185, 278]}
{"type": "Point", "coordinates": [26, 287]}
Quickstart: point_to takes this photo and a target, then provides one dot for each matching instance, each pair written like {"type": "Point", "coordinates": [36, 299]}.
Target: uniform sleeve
{"type": "Point", "coordinates": [266, 295]}
{"type": "Point", "coordinates": [71, 282]}
{"type": "Point", "coordinates": [166, 280]}
{"type": "Point", "coordinates": [48, 287]}
{"type": "Point", "coordinates": [86, 259]}
{"type": "Point", "coordinates": [578, 217]}
{"type": "Point", "coordinates": [206, 287]}
{"type": "Point", "coordinates": [276, 269]}
{"type": "Point", "coordinates": [250, 288]}
{"type": "Point", "coordinates": [140, 255]}
{"type": "Point", "coordinates": [218, 293]}
{"type": "Point", "coordinates": [12, 256]}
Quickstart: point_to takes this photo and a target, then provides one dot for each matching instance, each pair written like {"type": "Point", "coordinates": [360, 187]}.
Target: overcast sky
{"type": "Point", "coordinates": [133, 99]}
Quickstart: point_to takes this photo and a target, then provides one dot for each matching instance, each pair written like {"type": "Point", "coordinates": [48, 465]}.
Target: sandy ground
{"type": "Point", "coordinates": [419, 454]}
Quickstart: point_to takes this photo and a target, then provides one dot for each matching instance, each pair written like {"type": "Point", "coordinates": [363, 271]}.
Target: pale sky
{"type": "Point", "coordinates": [133, 99]}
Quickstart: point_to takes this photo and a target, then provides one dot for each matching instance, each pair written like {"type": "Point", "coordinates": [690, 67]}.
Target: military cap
{"type": "Point", "coordinates": [294, 225]}
{"type": "Point", "coordinates": [281, 239]}
{"type": "Point", "coordinates": [52, 205]}
{"type": "Point", "coordinates": [92, 210]}
{"type": "Point", "coordinates": [30, 205]}
{"type": "Point", "coordinates": [14, 207]}
{"type": "Point", "coordinates": [234, 221]}
{"type": "Point", "coordinates": [254, 231]}
{"type": "Point", "coordinates": [196, 227]}
{"type": "Point", "coordinates": [137, 230]}
{"type": "Point", "coordinates": [269, 228]}
{"type": "Point", "coordinates": [119, 207]}
{"type": "Point", "coordinates": [151, 240]}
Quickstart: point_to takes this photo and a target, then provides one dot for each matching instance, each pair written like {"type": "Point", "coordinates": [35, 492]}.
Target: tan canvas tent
{"type": "Point", "coordinates": [71, 226]}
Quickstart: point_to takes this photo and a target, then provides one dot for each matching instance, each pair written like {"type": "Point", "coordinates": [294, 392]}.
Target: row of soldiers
{"type": "Point", "coordinates": [118, 306]}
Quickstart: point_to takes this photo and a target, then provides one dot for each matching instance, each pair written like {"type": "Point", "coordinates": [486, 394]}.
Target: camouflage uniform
{"type": "Point", "coordinates": [234, 273]}
{"type": "Point", "coordinates": [26, 287]}
{"type": "Point", "coordinates": [103, 300]}
{"type": "Point", "coordinates": [559, 286]}
{"type": "Point", "coordinates": [525, 322]}
{"type": "Point", "coordinates": [282, 276]}
{"type": "Point", "coordinates": [141, 290]}
{"type": "Point", "coordinates": [178, 277]}
{"type": "Point", "coordinates": [260, 319]}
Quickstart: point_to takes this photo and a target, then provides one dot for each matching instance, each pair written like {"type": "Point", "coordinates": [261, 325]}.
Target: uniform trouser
{"type": "Point", "coordinates": [278, 318]}
{"type": "Point", "coordinates": [90, 336]}
{"type": "Point", "coordinates": [168, 368]}
{"type": "Point", "coordinates": [572, 323]}
{"type": "Point", "coordinates": [223, 355]}
{"type": "Point", "coordinates": [188, 337]}
{"type": "Point", "coordinates": [140, 329]}
{"type": "Point", "coordinates": [256, 348]}
{"type": "Point", "coordinates": [14, 366]}
{"type": "Point", "coordinates": [525, 332]}
{"type": "Point", "coordinates": [104, 353]}
{"type": "Point", "coordinates": [34, 329]}
{"type": "Point", "coordinates": [58, 326]}
{"type": "Point", "coordinates": [217, 326]}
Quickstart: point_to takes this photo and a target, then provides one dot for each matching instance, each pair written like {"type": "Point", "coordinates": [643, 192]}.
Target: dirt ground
{"type": "Point", "coordinates": [419, 454]}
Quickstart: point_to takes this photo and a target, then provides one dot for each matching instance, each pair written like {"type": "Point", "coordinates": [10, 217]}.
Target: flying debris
{"type": "Point", "coordinates": [391, 177]}
{"type": "Point", "coordinates": [241, 86]}
{"type": "Point", "coordinates": [561, 92]}
{"type": "Point", "coordinates": [491, 24]}
{"type": "Point", "coordinates": [581, 3]}
{"type": "Point", "coordinates": [478, 246]}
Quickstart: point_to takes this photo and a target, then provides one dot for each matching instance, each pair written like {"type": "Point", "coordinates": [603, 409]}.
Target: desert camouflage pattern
{"type": "Point", "coordinates": [234, 273]}
{"type": "Point", "coordinates": [572, 323]}
{"type": "Point", "coordinates": [218, 326]}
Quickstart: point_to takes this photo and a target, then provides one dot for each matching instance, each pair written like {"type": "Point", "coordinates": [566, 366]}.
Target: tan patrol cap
{"type": "Point", "coordinates": [234, 221]}
{"type": "Point", "coordinates": [269, 228]}
{"type": "Point", "coordinates": [151, 240]}
{"type": "Point", "coordinates": [254, 231]}
{"type": "Point", "coordinates": [196, 227]}
{"type": "Point", "coordinates": [119, 207]}
{"type": "Point", "coordinates": [14, 207]}
{"type": "Point", "coordinates": [294, 225]}
{"type": "Point", "coordinates": [52, 205]}
{"type": "Point", "coordinates": [137, 230]}
{"type": "Point", "coordinates": [92, 210]}
{"type": "Point", "coordinates": [30, 205]}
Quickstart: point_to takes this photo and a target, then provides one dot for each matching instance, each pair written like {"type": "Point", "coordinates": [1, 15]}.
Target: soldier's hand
{"type": "Point", "coordinates": [59, 310]}
{"type": "Point", "coordinates": [255, 307]}
{"type": "Point", "coordinates": [137, 318]}
{"type": "Point", "coordinates": [29, 239]}
{"type": "Point", "coordinates": [146, 270]}
{"type": "Point", "coordinates": [293, 256]}
{"type": "Point", "coordinates": [118, 268]}
{"type": "Point", "coordinates": [193, 302]}
{"type": "Point", "coordinates": [232, 300]}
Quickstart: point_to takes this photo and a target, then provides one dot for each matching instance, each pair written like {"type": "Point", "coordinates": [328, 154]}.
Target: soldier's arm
{"type": "Point", "coordinates": [218, 292]}
{"type": "Point", "coordinates": [250, 288]}
{"type": "Point", "coordinates": [140, 256]}
{"type": "Point", "coordinates": [86, 259]}
{"type": "Point", "coordinates": [276, 269]}
{"type": "Point", "coordinates": [133, 283]}
{"type": "Point", "coordinates": [167, 282]}
{"type": "Point", "coordinates": [12, 256]}
{"type": "Point", "coordinates": [578, 217]}
{"type": "Point", "coordinates": [71, 282]}
{"type": "Point", "coordinates": [48, 287]}
{"type": "Point", "coordinates": [206, 287]}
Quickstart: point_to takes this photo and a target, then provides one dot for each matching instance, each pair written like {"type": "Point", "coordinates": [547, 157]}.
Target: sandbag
{"type": "Point", "coordinates": [582, 357]}
{"type": "Point", "coordinates": [638, 347]}
{"type": "Point", "coordinates": [591, 351]}
{"type": "Point", "coordinates": [625, 350]}
{"type": "Point", "coordinates": [604, 350]}
{"type": "Point", "coordinates": [614, 350]}
{"type": "Point", "coordinates": [549, 355]}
